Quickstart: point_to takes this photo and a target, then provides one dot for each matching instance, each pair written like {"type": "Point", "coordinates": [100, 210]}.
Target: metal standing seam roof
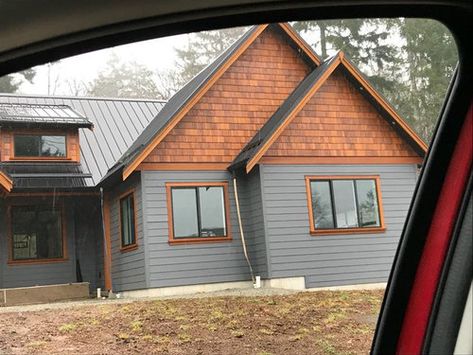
{"type": "Point", "coordinates": [117, 124]}
{"type": "Point", "coordinates": [281, 114]}
{"type": "Point", "coordinates": [57, 115]}
{"type": "Point", "coordinates": [40, 175]}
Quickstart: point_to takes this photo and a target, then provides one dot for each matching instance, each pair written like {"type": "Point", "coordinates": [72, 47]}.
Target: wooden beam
{"type": "Point", "coordinates": [339, 160]}
{"type": "Point", "coordinates": [183, 166]}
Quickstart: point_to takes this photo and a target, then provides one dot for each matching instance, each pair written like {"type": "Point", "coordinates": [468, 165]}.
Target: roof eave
{"type": "Point", "coordinates": [45, 125]}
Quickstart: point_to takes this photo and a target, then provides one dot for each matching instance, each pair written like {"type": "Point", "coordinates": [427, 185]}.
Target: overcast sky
{"type": "Point", "coordinates": [156, 54]}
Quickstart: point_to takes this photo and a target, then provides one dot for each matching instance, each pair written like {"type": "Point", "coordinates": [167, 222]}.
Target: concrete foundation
{"type": "Point", "coordinates": [43, 294]}
{"type": "Point", "coordinates": [288, 283]}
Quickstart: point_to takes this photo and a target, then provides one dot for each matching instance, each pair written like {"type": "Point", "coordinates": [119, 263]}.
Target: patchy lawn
{"type": "Point", "coordinates": [302, 323]}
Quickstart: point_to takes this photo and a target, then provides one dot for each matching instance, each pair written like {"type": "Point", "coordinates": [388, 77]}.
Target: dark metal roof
{"type": "Point", "coordinates": [41, 115]}
{"type": "Point", "coordinates": [46, 175]}
{"type": "Point", "coordinates": [281, 114]}
{"type": "Point", "coordinates": [117, 124]}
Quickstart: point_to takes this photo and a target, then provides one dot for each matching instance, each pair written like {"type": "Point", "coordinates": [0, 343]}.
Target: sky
{"type": "Point", "coordinates": [155, 54]}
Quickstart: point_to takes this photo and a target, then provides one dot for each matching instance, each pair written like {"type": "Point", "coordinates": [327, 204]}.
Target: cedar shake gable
{"type": "Point", "coordinates": [250, 51]}
{"type": "Point", "coordinates": [333, 113]}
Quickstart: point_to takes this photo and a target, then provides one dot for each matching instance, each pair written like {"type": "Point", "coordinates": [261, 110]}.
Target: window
{"type": "Point", "coordinates": [344, 204]}
{"type": "Point", "coordinates": [36, 233]}
{"type": "Point", "coordinates": [127, 222]}
{"type": "Point", "coordinates": [40, 146]}
{"type": "Point", "coordinates": [198, 212]}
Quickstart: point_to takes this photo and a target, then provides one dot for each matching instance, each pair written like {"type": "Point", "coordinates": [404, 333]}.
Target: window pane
{"type": "Point", "coordinates": [128, 220]}
{"type": "Point", "coordinates": [27, 146]}
{"type": "Point", "coordinates": [53, 146]}
{"type": "Point", "coordinates": [321, 204]}
{"type": "Point", "coordinates": [36, 233]}
{"type": "Point", "coordinates": [212, 212]}
{"type": "Point", "coordinates": [184, 212]}
{"type": "Point", "coordinates": [345, 206]}
{"type": "Point", "coordinates": [367, 203]}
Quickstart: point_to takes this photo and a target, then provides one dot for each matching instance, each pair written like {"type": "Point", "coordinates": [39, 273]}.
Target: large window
{"type": "Point", "coordinates": [198, 212]}
{"type": "Point", "coordinates": [344, 204]}
{"type": "Point", "coordinates": [127, 222]}
{"type": "Point", "coordinates": [40, 146]}
{"type": "Point", "coordinates": [36, 233]}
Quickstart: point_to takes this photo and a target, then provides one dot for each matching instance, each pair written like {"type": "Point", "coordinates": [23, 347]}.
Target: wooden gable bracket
{"type": "Point", "coordinates": [5, 182]}
{"type": "Point", "coordinates": [339, 60]}
{"type": "Point", "coordinates": [286, 28]}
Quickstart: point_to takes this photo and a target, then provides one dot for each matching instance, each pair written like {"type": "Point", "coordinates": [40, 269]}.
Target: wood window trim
{"type": "Point", "coordinates": [335, 231]}
{"type": "Point", "coordinates": [178, 241]}
{"type": "Point", "coordinates": [133, 246]}
{"type": "Point", "coordinates": [11, 261]}
{"type": "Point", "coordinates": [36, 159]}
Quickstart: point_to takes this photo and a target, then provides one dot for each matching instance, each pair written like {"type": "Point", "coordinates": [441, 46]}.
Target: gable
{"type": "Point", "coordinates": [236, 106]}
{"type": "Point", "coordinates": [339, 122]}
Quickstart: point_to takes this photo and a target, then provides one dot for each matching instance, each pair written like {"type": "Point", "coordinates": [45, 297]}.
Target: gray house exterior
{"type": "Point", "coordinates": [267, 116]}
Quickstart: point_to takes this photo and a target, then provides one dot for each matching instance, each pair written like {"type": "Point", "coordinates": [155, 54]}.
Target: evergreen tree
{"type": "Point", "coordinates": [366, 42]}
{"type": "Point", "coordinates": [431, 57]}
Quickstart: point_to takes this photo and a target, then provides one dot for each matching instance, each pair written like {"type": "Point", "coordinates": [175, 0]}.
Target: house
{"type": "Point", "coordinates": [144, 196]}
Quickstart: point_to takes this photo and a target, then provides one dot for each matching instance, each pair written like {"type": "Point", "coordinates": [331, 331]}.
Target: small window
{"type": "Point", "coordinates": [40, 146]}
{"type": "Point", "coordinates": [344, 204]}
{"type": "Point", "coordinates": [127, 219]}
{"type": "Point", "coordinates": [198, 212]}
{"type": "Point", "coordinates": [36, 233]}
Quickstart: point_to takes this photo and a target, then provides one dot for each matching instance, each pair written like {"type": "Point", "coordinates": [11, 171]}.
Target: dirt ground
{"type": "Point", "coordinates": [329, 322]}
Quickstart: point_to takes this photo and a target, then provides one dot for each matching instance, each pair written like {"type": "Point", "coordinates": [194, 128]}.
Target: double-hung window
{"type": "Point", "coordinates": [127, 222]}
{"type": "Point", "coordinates": [344, 204]}
{"type": "Point", "coordinates": [198, 212]}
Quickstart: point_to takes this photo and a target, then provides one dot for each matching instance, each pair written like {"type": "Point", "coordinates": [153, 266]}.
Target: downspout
{"type": "Point", "coordinates": [243, 242]}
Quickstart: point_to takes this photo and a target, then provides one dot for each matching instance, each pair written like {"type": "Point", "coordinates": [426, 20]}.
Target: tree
{"type": "Point", "coordinates": [366, 42]}
{"type": "Point", "coordinates": [431, 57]}
{"type": "Point", "coordinates": [11, 83]}
{"type": "Point", "coordinates": [125, 79]}
{"type": "Point", "coordinates": [201, 49]}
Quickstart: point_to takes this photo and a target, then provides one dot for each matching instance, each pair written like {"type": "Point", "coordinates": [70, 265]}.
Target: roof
{"type": "Point", "coordinates": [282, 113]}
{"type": "Point", "coordinates": [117, 124]}
{"type": "Point", "coordinates": [46, 175]}
{"type": "Point", "coordinates": [181, 102]}
{"type": "Point", "coordinates": [260, 143]}
{"type": "Point", "coordinates": [45, 115]}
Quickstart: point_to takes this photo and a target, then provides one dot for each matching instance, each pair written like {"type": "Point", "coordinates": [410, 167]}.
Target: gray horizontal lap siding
{"type": "Point", "coordinates": [128, 268]}
{"type": "Point", "coordinates": [251, 205]}
{"type": "Point", "coordinates": [188, 264]}
{"type": "Point", "coordinates": [329, 260]}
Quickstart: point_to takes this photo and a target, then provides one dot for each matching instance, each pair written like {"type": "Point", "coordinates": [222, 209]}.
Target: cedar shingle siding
{"type": "Point", "coordinates": [236, 106]}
